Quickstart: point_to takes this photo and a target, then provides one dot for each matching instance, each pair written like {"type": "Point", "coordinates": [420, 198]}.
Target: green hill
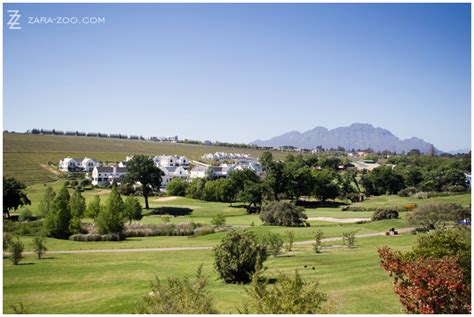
{"type": "Point", "coordinates": [26, 157]}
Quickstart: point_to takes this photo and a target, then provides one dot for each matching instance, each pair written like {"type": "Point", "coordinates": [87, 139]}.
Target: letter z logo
{"type": "Point", "coordinates": [14, 23]}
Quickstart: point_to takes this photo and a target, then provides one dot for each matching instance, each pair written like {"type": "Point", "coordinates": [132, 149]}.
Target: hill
{"type": "Point", "coordinates": [26, 156]}
{"type": "Point", "coordinates": [355, 136]}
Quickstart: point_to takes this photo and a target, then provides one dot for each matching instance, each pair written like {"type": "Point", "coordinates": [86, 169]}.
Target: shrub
{"type": "Point", "coordinates": [238, 256]}
{"type": "Point", "coordinates": [94, 237]}
{"type": "Point", "coordinates": [384, 214]}
{"type": "Point", "coordinates": [282, 213]}
{"type": "Point", "coordinates": [178, 296]}
{"type": "Point", "coordinates": [110, 218]}
{"type": "Point", "coordinates": [354, 197]}
{"type": "Point", "coordinates": [218, 220]}
{"type": "Point", "coordinates": [437, 214]}
{"type": "Point", "coordinates": [290, 295]}
{"type": "Point", "coordinates": [421, 195]}
{"type": "Point", "coordinates": [349, 238]}
{"type": "Point", "coordinates": [426, 285]}
{"type": "Point", "coordinates": [291, 238]}
{"type": "Point", "coordinates": [409, 206]}
{"type": "Point", "coordinates": [177, 187]}
{"type": "Point", "coordinates": [202, 231]}
{"type": "Point", "coordinates": [318, 237]}
{"type": "Point", "coordinates": [16, 249]}
{"type": "Point", "coordinates": [274, 243]}
{"type": "Point", "coordinates": [7, 239]}
{"type": "Point", "coordinates": [164, 229]}
{"type": "Point", "coordinates": [39, 246]}
{"type": "Point", "coordinates": [407, 192]}
{"type": "Point", "coordinates": [454, 189]}
{"type": "Point", "coordinates": [26, 215]}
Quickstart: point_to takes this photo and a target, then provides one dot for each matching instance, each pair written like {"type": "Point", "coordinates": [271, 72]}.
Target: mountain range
{"type": "Point", "coordinates": [356, 136]}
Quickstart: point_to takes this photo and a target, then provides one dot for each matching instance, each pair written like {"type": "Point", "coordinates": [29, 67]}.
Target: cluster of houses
{"type": "Point", "coordinates": [221, 156]}
{"type": "Point", "coordinates": [173, 166]}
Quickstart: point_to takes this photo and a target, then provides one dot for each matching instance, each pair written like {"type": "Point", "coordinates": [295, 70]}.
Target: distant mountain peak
{"type": "Point", "coordinates": [355, 136]}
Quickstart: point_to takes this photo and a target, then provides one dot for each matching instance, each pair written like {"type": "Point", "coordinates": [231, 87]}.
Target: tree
{"type": "Point", "coordinates": [14, 195]}
{"type": "Point", "coordinates": [324, 185]}
{"type": "Point", "coordinates": [177, 187]}
{"type": "Point", "coordinates": [251, 195]}
{"type": "Point", "coordinates": [16, 249]}
{"type": "Point", "coordinates": [93, 208]}
{"type": "Point", "coordinates": [39, 246]}
{"type": "Point", "coordinates": [427, 285]}
{"type": "Point", "coordinates": [383, 180]}
{"type": "Point", "coordinates": [283, 213]}
{"type": "Point", "coordinates": [274, 243]}
{"type": "Point", "coordinates": [453, 242]}
{"type": "Point", "coordinates": [196, 188]}
{"type": "Point", "coordinates": [300, 181]}
{"type": "Point", "coordinates": [57, 222]}
{"type": "Point", "coordinates": [290, 295]}
{"type": "Point", "coordinates": [218, 220]}
{"type": "Point", "coordinates": [276, 180]}
{"type": "Point", "coordinates": [291, 238]}
{"type": "Point", "coordinates": [46, 203]}
{"type": "Point", "coordinates": [434, 215]}
{"type": "Point", "coordinates": [238, 256]}
{"type": "Point", "coordinates": [142, 169]}
{"type": "Point", "coordinates": [318, 244]}
{"type": "Point", "coordinates": [266, 159]}
{"type": "Point", "coordinates": [78, 207]}
{"type": "Point", "coordinates": [133, 209]}
{"type": "Point", "coordinates": [178, 296]}
{"type": "Point", "coordinates": [111, 218]}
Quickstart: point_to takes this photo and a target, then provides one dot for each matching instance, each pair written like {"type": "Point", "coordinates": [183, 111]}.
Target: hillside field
{"type": "Point", "coordinates": [26, 156]}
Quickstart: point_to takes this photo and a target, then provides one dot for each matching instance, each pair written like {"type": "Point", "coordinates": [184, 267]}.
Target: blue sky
{"type": "Point", "coordinates": [240, 72]}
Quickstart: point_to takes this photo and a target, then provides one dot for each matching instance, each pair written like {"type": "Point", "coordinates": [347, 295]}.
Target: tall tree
{"type": "Point", "coordinates": [276, 180]}
{"type": "Point", "coordinates": [133, 209]}
{"type": "Point", "coordinates": [266, 159]}
{"type": "Point", "coordinates": [14, 195]}
{"type": "Point", "coordinates": [142, 169]}
{"type": "Point", "coordinates": [46, 203]}
{"type": "Point", "coordinates": [111, 217]}
{"type": "Point", "coordinates": [93, 208]}
{"type": "Point", "coordinates": [78, 207]}
{"type": "Point", "coordinates": [57, 222]}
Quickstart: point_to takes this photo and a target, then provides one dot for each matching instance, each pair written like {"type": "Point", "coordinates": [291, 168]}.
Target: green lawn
{"type": "Point", "coordinates": [394, 200]}
{"type": "Point", "coordinates": [114, 283]}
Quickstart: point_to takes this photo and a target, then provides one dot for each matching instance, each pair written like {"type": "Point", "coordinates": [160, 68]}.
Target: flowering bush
{"type": "Point", "coordinates": [426, 285]}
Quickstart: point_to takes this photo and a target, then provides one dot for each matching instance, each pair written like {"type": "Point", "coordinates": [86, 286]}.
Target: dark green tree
{"type": "Point", "coordinates": [93, 208]}
{"type": "Point", "coordinates": [133, 209]}
{"type": "Point", "coordinates": [142, 169]}
{"type": "Point", "coordinates": [111, 218]}
{"type": "Point", "coordinates": [46, 203]}
{"type": "Point", "coordinates": [57, 222]}
{"type": "Point", "coordinates": [78, 207]}
{"type": "Point", "coordinates": [14, 195]}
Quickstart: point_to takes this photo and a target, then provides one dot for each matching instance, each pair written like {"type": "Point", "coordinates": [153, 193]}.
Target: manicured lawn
{"type": "Point", "coordinates": [394, 200]}
{"type": "Point", "coordinates": [114, 282]}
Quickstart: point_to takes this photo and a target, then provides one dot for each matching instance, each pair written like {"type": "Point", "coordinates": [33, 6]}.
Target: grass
{"type": "Point", "coordinates": [26, 157]}
{"type": "Point", "coordinates": [114, 283]}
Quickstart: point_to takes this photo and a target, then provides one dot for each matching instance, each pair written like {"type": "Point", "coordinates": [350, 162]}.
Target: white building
{"type": "Point", "coordinates": [171, 161]}
{"type": "Point", "coordinates": [198, 172]}
{"type": "Point", "coordinates": [70, 164]}
{"type": "Point", "coordinates": [173, 172]}
{"type": "Point", "coordinates": [104, 175]}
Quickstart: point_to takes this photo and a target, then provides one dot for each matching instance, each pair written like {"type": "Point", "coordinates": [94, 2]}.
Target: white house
{"type": "Point", "coordinates": [88, 164]}
{"type": "Point", "coordinates": [104, 175]}
{"type": "Point", "coordinates": [173, 172]}
{"type": "Point", "coordinates": [171, 161]}
{"type": "Point", "coordinates": [198, 172]}
{"type": "Point", "coordinates": [70, 164]}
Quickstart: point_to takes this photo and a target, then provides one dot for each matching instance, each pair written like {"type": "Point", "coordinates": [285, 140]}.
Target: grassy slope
{"type": "Point", "coordinates": [113, 283]}
{"type": "Point", "coordinates": [25, 157]}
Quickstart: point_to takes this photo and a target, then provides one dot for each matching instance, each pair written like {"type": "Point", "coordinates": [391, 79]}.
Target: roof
{"type": "Point", "coordinates": [105, 169]}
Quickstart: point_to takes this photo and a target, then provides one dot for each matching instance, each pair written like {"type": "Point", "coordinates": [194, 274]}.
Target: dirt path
{"type": "Point", "coordinates": [51, 170]}
{"type": "Point", "coordinates": [367, 235]}
{"type": "Point", "coordinates": [340, 220]}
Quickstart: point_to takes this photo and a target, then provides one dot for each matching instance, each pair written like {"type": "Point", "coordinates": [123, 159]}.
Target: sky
{"type": "Point", "coordinates": [240, 72]}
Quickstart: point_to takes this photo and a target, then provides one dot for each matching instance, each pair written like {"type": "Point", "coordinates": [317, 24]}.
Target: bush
{"type": "Point", "coordinates": [238, 256]}
{"type": "Point", "coordinates": [7, 239]}
{"type": "Point", "coordinates": [26, 215]}
{"type": "Point", "coordinates": [163, 229]}
{"type": "Point", "coordinates": [16, 249]}
{"type": "Point", "coordinates": [384, 215]}
{"type": "Point", "coordinates": [409, 206]}
{"type": "Point", "coordinates": [177, 187]}
{"type": "Point", "coordinates": [349, 238]}
{"type": "Point", "coordinates": [427, 285]}
{"type": "Point", "coordinates": [438, 214]}
{"type": "Point", "coordinates": [282, 213]}
{"type": "Point", "coordinates": [318, 244]}
{"type": "Point", "coordinates": [218, 220]}
{"type": "Point", "coordinates": [274, 243]}
{"type": "Point", "coordinates": [354, 197]}
{"type": "Point", "coordinates": [291, 238]}
{"type": "Point", "coordinates": [290, 295]}
{"type": "Point", "coordinates": [32, 228]}
{"type": "Point", "coordinates": [94, 237]}
{"type": "Point", "coordinates": [454, 189]}
{"type": "Point", "coordinates": [407, 192]}
{"type": "Point", "coordinates": [39, 246]}
{"type": "Point", "coordinates": [178, 296]}
{"type": "Point", "coordinates": [202, 231]}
